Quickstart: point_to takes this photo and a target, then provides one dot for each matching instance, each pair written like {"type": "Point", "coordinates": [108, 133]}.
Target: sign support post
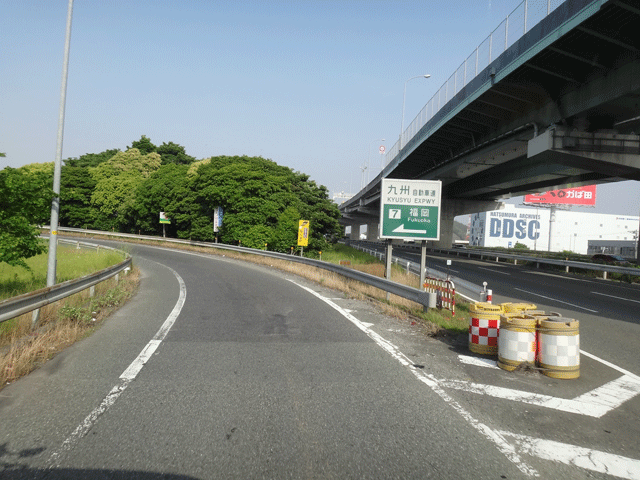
{"type": "Point", "coordinates": [423, 261]}
{"type": "Point", "coordinates": [388, 263]}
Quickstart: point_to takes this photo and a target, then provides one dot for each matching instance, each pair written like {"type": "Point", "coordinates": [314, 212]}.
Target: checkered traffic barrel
{"type": "Point", "coordinates": [484, 326]}
{"type": "Point", "coordinates": [559, 347]}
{"type": "Point", "coordinates": [517, 341]}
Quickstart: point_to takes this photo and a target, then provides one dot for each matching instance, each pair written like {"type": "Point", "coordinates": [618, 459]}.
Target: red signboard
{"type": "Point", "coordinates": [566, 196]}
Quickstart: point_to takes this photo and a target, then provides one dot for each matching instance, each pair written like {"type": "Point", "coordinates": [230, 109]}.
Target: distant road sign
{"type": "Point", "coordinates": [303, 233]}
{"type": "Point", "coordinates": [382, 149]}
{"type": "Point", "coordinates": [410, 209]}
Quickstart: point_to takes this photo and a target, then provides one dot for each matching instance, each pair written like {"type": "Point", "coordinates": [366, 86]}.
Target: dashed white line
{"type": "Point", "coordinates": [125, 379]}
{"type": "Point", "coordinates": [556, 300]}
{"type": "Point", "coordinates": [618, 298]}
{"type": "Point", "coordinates": [494, 271]}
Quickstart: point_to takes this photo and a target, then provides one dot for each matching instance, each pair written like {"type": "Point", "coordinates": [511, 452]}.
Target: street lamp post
{"type": "Point", "coordinates": [369, 157]}
{"type": "Point", "coordinates": [404, 96]}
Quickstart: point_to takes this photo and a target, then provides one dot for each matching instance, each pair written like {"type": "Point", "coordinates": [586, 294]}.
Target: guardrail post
{"type": "Point", "coordinates": [35, 318]}
{"type": "Point", "coordinates": [604, 275]}
{"type": "Point", "coordinates": [92, 291]}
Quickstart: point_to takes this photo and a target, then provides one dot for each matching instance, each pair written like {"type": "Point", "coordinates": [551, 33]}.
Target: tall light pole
{"type": "Point", "coordinates": [404, 96]}
{"type": "Point", "coordinates": [369, 158]}
{"type": "Point", "coordinates": [55, 204]}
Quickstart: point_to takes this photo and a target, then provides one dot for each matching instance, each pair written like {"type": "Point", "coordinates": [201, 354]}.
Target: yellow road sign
{"type": "Point", "coordinates": [303, 233]}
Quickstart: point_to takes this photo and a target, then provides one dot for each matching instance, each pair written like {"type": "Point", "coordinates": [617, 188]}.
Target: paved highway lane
{"type": "Point", "coordinates": [262, 375]}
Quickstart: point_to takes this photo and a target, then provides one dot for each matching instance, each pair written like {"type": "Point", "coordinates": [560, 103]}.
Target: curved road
{"type": "Point", "coordinates": [223, 369]}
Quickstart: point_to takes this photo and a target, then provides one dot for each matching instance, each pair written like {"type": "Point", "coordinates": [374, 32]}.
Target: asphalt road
{"type": "Point", "coordinates": [223, 369]}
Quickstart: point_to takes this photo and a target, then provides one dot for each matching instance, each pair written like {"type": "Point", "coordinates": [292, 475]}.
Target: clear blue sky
{"type": "Point", "coordinates": [313, 85]}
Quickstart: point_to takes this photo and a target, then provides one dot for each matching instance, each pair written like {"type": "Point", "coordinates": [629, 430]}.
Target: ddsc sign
{"type": "Point", "coordinates": [509, 228]}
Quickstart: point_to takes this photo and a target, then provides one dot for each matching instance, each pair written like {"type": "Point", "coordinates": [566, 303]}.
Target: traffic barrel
{"type": "Point", "coordinates": [517, 307]}
{"type": "Point", "coordinates": [484, 327]}
{"type": "Point", "coordinates": [517, 341]}
{"type": "Point", "coordinates": [559, 347]}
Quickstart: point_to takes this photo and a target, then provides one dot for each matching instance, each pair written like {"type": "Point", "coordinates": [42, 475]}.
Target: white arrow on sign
{"type": "Point", "coordinates": [401, 229]}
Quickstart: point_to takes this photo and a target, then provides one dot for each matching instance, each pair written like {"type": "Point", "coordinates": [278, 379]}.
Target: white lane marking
{"type": "Point", "coordinates": [132, 371]}
{"type": "Point", "coordinates": [562, 404]}
{"type": "Point", "coordinates": [507, 449]}
{"type": "Point", "coordinates": [556, 300]}
{"type": "Point", "coordinates": [494, 271]}
{"type": "Point", "coordinates": [610, 365]}
{"type": "Point", "coordinates": [595, 403]}
{"type": "Point", "coordinates": [478, 362]}
{"type": "Point", "coordinates": [587, 458]}
{"type": "Point", "coordinates": [125, 379]}
{"type": "Point", "coordinates": [618, 298]}
{"type": "Point", "coordinates": [612, 394]}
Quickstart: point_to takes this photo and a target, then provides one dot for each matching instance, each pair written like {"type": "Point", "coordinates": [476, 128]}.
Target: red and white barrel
{"type": "Point", "coordinates": [484, 327]}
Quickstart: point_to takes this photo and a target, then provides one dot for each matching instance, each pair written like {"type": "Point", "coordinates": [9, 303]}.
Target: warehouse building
{"type": "Point", "coordinates": [535, 228]}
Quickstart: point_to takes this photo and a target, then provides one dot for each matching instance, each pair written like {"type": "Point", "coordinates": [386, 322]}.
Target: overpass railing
{"type": "Point", "coordinates": [510, 30]}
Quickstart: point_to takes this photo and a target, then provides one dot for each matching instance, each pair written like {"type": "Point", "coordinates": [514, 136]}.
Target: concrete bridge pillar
{"type": "Point", "coordinates": [355, 232]}
{"type": "Point", "coordinates": [451, 208]}
{"type": "Point", "coordinates": [372, 231]}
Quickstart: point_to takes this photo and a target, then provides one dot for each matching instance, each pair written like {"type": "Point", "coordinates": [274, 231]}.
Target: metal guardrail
{"type": "Point", "coordinates": [409, 293]}
{"type": "Point", "coordinates": [28, 302]}
{"type": "Point", "coordinates": [509, 256]}
{"type": "Point", "coordinates": [470, 289]}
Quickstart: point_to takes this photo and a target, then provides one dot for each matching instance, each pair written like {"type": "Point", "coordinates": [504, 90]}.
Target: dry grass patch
{"type": "Point", "coordinates": [61, 324]}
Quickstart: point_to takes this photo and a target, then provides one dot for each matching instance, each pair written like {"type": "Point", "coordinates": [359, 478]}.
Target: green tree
{"type": "Point", "coordinates": [256, 191]}
{"type": "Point", "coordinates": [25, 198]}
{"type": "Point", "coordinates": [174, 153]}
{"type": "Point", "coordinates": [256, 237]}
{"type": "Point", "coordinates": [117, 181]}
{"type": "Point", "coordinates": [144, 145]}
{"type": "Point", "coordinates": [285, 234]}
{"type": "Point", "coordinates": [77, 186]}
{"type": "Point", "coordinates": [165, 190]}
{"type": "Point", "coordinates": [252, 191]}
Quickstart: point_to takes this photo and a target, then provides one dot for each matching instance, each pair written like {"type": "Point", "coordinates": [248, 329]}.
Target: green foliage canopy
{"type": "Point", "coordinates": [25, 199]}
{"type": "Point", "coordinates": [262, 201]}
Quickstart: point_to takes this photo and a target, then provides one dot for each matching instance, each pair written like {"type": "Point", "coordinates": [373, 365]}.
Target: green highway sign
{"type": "Point", "coordinates": [410, 209]}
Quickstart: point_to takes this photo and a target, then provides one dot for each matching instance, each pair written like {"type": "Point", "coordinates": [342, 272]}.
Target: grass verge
{"type": "Point", "coordinates": [72, 263]}
{"type": "Point", "coordinates": [61, 324]}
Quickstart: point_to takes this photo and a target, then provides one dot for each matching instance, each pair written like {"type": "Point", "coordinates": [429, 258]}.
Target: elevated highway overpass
{"type": "Point", "coordinates": [557, 107]}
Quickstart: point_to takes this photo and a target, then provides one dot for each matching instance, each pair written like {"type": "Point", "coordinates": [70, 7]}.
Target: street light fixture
{"type": "Point", "coordinates": [369, 156]}
{"type": "Point", "coordinates": [404, 96]}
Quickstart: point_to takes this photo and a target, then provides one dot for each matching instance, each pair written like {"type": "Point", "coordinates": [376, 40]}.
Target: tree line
{"type": "Point", "coordinates": [125, 191]}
